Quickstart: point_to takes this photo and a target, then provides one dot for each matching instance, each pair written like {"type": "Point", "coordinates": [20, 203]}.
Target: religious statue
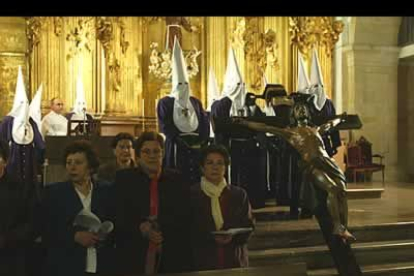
{"type": "Point", "coordinates": [318, 168]}
{"type": "Point", "coordinates": [174, 24]}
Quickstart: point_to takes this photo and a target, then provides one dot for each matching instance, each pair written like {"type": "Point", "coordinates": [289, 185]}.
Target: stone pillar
{"type": "Point", "coordinates": [370, 85]}
{"type": "Point", "coordinates": [406, 117]}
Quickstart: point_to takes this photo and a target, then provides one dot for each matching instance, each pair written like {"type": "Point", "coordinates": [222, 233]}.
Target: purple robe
{"type": "Point", "coordinates": [25, 160]}
{"type": "Point", "coordinates": [177, 154]}
{"type": "Point", "coordinates": [236, 213]}
{"type": "Point", "coordinates": [248, 157]}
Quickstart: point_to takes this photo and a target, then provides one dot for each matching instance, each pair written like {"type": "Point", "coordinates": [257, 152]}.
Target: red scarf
{"type": "Point", "coordinates": [154, 250]}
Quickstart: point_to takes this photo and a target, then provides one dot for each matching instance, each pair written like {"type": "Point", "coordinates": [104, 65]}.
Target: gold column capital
{"type": "Point", "coordinates": [307, 31]}
{"type": "Point", "coordinates": [33, 28]}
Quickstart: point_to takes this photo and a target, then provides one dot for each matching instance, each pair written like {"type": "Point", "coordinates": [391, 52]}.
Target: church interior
{"type": "Point", "coordinates": [124, 66]}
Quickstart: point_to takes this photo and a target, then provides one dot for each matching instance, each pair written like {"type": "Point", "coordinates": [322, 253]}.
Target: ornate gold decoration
{"type": "Point", "coordinates": [146, 20]}
{"type": "Point", "coordinates": [8, 77]}
{"type": "Point", "coordinates": [58, 25]}
{"type": "Point", "coordinates": [124, 44]}
{"type": "Point", "coordinates": [160, 62]}
{"type": "Point", "coordinates": [307, 31]}
{"type": "Point", "coordinates": [80, 36]}
{"type": "Point", "coordinates": [105, 33]}
{"type": "Point", "coordinates": [259, 48]}
{"type": "Point", "coordinates": [34, 26]}
{"type": "Point", "coordinates": [238, 35]}
{"type": "Point", "coordinates": [114, 67]}
{"type": "Point", "coordinates": [271, 48]}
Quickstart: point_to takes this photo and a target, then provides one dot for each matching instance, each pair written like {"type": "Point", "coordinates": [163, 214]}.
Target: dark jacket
{"type": "Point", "coordinates": [236, 213]}
{"type": "Point", "coordinates": [132, 208]}
{"type": "Point", "coordinates": [16, 226]}
{"type": "Point", "coordinates": [61, 204]}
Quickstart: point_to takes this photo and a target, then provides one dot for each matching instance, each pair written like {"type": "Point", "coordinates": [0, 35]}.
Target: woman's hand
{"type": "Point", "coordinates": [223, 239]}
{"type": "Point", "coordinates": [86, 239]}
{"type": "Point", "coordinates": [147, 231]}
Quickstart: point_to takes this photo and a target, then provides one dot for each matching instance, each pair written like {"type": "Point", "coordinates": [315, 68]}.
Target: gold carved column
{"type": "Point", "coordinates": [13, 50]}
{"type": "Point", "coordinates": [217, 48]}
{"type": "Point", "coordinates": [278, 52]}
{"type": "Point", "coordinates": [257, 49]}
{"type": "Point", "coordinates": [60, 49]}
{"type": "Point", "coordinates": [320, 32]}
{"type": "Point", "coordinates": [111, 34]}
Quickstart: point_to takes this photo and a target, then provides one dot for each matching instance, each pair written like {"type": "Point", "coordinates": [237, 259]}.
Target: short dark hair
{"type": "Point", "coordinates": [83, 146]}
{"type": "Point", "coordinates": [148, 136]}
{"type": "Point", "coordinates": [4, 150]}
{"type": "Point", "coordinates": [220, 149]}
{"type": "Point", "coordinates": [122, 136]}
{"type": "Point", "coordinates": [53, 100]}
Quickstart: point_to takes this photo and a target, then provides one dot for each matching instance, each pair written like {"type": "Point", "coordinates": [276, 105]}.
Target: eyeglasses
{"type": "Point", "coordinates": [211, 163]}
{"type": "Point", "coordinates": [148, 152]}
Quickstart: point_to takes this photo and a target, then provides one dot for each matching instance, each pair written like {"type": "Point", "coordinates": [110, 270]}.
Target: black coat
{"type": "Point", "coordinates": [132, 208]}
{"type": "Point", "coordinates": [61, 204]}
{"type": "Point", "coordinates": [16, 226]}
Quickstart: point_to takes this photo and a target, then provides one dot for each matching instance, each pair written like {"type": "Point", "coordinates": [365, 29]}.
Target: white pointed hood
{"type": "Point", "coordinates": [22, 130]}
{"type": "Point", "coordinates": [303, 80]}
{"type": "Point", "coordinates": [35, 108]}
{"type": "Point", "coordinates": [233, 87]}
{"type": "Point", "coordinates": [317, 82]}
{"type": "Point", "coordinates": [268, 109]}
{"type": "Point", "coordinates": [184, 116]}
{"type": "Point", "coordinates": [79, 106]}
{"type": "Point", "coordinates": [213, 92]}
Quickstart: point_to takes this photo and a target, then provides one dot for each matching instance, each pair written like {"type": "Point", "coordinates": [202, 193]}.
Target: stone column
{"type": "Point", "coordinates": [370, 85]}
{"type": "Point", "coordinates": [406, 117]}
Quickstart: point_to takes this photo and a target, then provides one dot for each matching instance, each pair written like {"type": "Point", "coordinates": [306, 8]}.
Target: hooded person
{"type": "Point", "coordinates": [79, 109]}
{"type": "Point", "coordinates": [282, 177]}
{"type": "Point", "coordinates": [20, 131]}
{"type": "Point", "coordinates": [248, 165]}
{"type": "Point", "coordinates": [323, 107]}
{"type": "Point", "coordinates": [183, 121]}
{"type": "Point", "coordinates": [303, 81]}
{"type": "Point", "coordinates": [213, 94]}
{"type": "Point", "coordinates": [35, 108]}
{"type": "Point", "coordinates": [316, 82]}
{"type": "Point", "coordinates": [268, 109]}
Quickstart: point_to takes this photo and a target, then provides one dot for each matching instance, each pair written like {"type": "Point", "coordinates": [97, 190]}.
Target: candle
{"type": "Point", "coordinates": [143, 108]}
{"type": "Point", "coordinates": [143, 115]}
{"type": "Point", "coordinates": [156, 114]}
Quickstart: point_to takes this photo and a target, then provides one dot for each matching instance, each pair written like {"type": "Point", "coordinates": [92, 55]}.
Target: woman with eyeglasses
{"type": "Point", "coordinates": [216, 207]}
{"type": "Point", "coordinates": [123, 147]}
{"type": "Point", "coordinates": [152, 213]}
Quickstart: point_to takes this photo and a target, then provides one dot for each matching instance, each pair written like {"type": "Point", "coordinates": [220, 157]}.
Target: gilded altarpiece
{"type": "Point", "coordinates": [13, 53]}
{"type": "Point", "coordinates": [112, 56]}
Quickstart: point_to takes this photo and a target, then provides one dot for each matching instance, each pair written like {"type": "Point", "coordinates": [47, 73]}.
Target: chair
{"type": "Point", "coordinates": [358, 159]}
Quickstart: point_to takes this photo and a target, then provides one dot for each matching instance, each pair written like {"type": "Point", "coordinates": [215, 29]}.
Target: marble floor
{"type": "Point", "coordinates": [395, 205]}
